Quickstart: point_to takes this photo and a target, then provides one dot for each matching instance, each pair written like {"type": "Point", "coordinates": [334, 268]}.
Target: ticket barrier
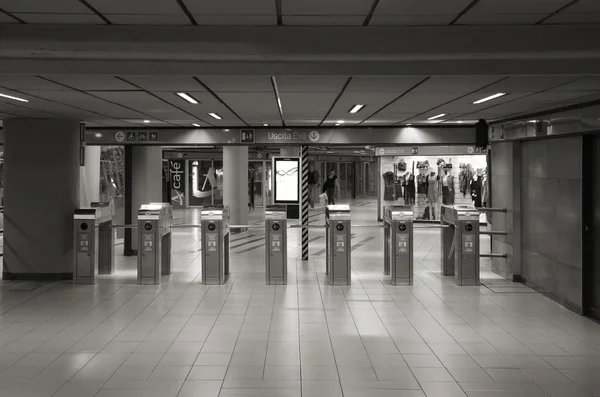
{"type": "Point", "coordinates": [94, 247]}
{"type": "Point", "coordinates": [154, 242]}
{"type": "Point", "coordinates": [215, 222]}
{"type": "Point", "coordinates": [398, 243]}
{"type": "Point", "coordinates": [276, 245]}
{"type": "Point", "coordinates": [460, 243]}
{"type": "Point", "coordinates": [337, 245]}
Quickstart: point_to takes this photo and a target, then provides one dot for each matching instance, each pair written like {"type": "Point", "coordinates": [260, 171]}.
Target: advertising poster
{"type": "Point", "coordinates": [177, 177]}
{"type": "Point", "coordinates": [287, 180]}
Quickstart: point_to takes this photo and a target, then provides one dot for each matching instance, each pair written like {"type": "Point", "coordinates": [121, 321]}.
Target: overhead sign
{"type": "Point", "coordinates": [429, 150]}
{"type": "Point", "coordinates": [286, 174]}
{"type": "Point", "coordinates": [247, 136]}
{"type": "Point", "coordinates": [177, 178]}
{"type": "Point", "coordinates": [409, 136]}
{"type": "Point", "coordinates": [120, 136]}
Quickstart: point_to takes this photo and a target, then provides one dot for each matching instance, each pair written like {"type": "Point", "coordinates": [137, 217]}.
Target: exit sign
{"type": "Point", "coordinates": [247, 136]}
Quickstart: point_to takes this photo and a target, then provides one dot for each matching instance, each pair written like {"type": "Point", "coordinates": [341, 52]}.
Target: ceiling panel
{"type": "Point", "coordinates": [147, 7]}
{"type": "Point", "coordinates": [237, 83]}
{"type": "Point", "coordinates": [91, 82]}
{"type": "Point", "coordinates": [310, 83]}
{"type": "Point", "coordinates": [584, 6]}
{"type": "Point", "coordinates": [28, 82]}
{"type": "Point", "coordinates": [329, 7]}
{"type": "Point", "coordinates": [37, 6]}
{"type": "Point", "coordinates": [591, 83]}
{"type": "Point", "coordinates": [575, 19]}
{"type": "Point", "coordinates": [141, 19]}
{"type": "Point", "coordinates": [143, 102]}
{"type": "Point", "coordinates": [256, 105]}
{"type": "Point", "coordinates": [418, 103]}
{"type": "Point", "coordinates": [459, 85]}
{"type": "Point", "coordinates": [465, 104]}
{"type": "Point", "coordinates": [416, 7]}
{"type": "Point", "coordinates": [228, 7]}
{"type": "Point", "coordinates": [237, 20]}
{"type": "Point", "coordinates": [6, 19]}
{"type": "Point", "coordinates": [373, 102]}
{"type": "Point", "coordinates": [164, 83]}
{"type": "Point", "coordinates": [382, 84]}
{"type": "Point", "coordinates": [516, 84]}
{"type": "Point", "coordinates": [518, 6]}
{"type": "Point", "coordinates": [208, 104]}
{"type": "Point", "coordinates": [411, 19]}
{"type": "Point", "coordinates": [324, 20]}
{"type": "Point", "coordinates": [298, 105]}
{"type": "Point", "coordinates": [476, 18]}
{"type": "Point", "coordinates": [85, 101]}
{"type": "Point", "coordinates": [76, 19]}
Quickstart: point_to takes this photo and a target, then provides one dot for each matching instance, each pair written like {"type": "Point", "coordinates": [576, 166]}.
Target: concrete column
{"type": "Point", "coordinates": [89, 176]}
{"type": "Point", "coordinates": [235, 183]}
{"type": "Point", "coordinates": [41, 174]}
{"type": "Point", "coordinates": [143, 185]}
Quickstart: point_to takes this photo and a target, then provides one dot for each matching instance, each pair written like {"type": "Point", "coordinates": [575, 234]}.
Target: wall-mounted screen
{"type": "Point", "coordinates": [286, 172]}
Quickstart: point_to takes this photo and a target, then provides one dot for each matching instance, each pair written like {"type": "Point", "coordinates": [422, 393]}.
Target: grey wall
{"type": "Point", "coordinates": [551, 182]}
{"type": "Point", "coordinates": [41, 161]}
{"type": "Point", "coordinates": [506, 188]}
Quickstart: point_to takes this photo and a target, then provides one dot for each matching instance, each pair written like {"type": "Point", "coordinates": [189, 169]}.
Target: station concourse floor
{"type": "Point", "coordinates": [308, 339]}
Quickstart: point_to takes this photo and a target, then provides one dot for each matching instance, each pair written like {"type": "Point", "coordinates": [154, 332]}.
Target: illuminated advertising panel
{"type": "Point", "coordinates": [286, 172]}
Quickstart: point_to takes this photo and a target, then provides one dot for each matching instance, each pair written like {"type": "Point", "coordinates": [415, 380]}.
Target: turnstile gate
{"type": "Point", "coordinates": [215, 244]}
{"type": "Point", "coordinates": [464, 248]}
{"type": "Point", "coordinates": [398, 244]}
{"type": "Point", "coordinates": [447, 239]}
{"type": "Point", "coordinates": [276, 245]}
{"type": "Point", "coordinates": [94, 247]}
{"type": "Point", "coordinates": [154, 245]}
{"type": "Point", "coordinates": [337, 245]}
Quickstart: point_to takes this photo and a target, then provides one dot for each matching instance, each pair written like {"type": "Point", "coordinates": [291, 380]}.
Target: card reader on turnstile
{"type": "Point", "coordinates": [154, 233]}
{"type": "Point", "coordinates": [398, 244]}
{"type": "Point", "coordinates": [94, 246]}
{"type": "Point", "coordinates": [215, 223]}
{"type": "Point", "coordinates": [337, 246]}
{"type": "Point", "coordinates": [276, 245]}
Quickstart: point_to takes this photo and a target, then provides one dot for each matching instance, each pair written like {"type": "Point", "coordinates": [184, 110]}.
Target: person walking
{"type": "Point", "coordinates": [331, 186]}
{"type": "Point", "coordinates": [313, 180]}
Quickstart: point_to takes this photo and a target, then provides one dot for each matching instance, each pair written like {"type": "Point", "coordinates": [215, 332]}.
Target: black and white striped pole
{"type": "Point", "coordinates": [304, 203]}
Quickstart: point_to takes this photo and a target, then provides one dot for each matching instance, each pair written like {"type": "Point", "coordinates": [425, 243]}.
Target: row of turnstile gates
{"type": "Point", "coordinates": [94, 245]}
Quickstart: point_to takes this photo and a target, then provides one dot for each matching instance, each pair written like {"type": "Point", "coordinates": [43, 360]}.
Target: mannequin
{"type": "Point", "coordinates": [433, 193]}
{"type": "Point", "coordinates": [447, 188]}
{"type": "Point", "coordinates": [409, 188]}
{"type": "Point", "coordinates": [476, 187]}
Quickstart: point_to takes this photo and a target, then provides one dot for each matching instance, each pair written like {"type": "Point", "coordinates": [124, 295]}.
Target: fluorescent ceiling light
{"type": "Point", "coordinates": [188, 98]}
{"type": "Point", "coordinates": [489, 98]}
{"type": "Point", "coordinates": [337, 124]}
{"type": "Point", "coordinates": [340, 121]}
{"type": "Point", "coordinates": [409, 124]}
{"type": "Point", "coordinates": [196, 125]}
{"type": "Point", "coordinates": [356, 108]}
{"type": "Point", "coordinates": [265, 124]}
{"type": "Point", "coordinates": [216, 116]}
{"type": "Point", "coordinates": [330, 152]}
{"type": "Point", "coordinates": [14, 98]}
{"type": "Point", "coordinates": [533, 121]}
{"type": "Point", "coordinates": [437, 117]}
{"type": "Point", "coordinates": [146, 121]}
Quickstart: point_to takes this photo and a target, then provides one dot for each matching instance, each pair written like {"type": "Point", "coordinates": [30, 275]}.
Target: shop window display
{"type": "Point", "coordinates": [427, 182]}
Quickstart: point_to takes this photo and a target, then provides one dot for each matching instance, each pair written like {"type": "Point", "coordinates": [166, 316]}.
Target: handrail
{"type": "Point", "coordinates": [482, 209]}
{"type": "Point", "coordinates": [493, 233]}
{"type": "Point", "coordinates": [504, 256]}
{"type": "Point", "coordinates": [123, 226]}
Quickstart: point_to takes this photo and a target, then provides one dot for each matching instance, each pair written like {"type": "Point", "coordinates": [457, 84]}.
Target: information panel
{"type": "Point", "coordinates": [286, 174]}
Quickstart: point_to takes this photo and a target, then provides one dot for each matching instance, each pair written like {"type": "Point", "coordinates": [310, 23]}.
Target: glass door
{"type": "Point", "coordinates": [346, 180]}
{"type": "Point", "coordinates": [256, 182]}
{"type": "Point", "coordinates": [202, 183]}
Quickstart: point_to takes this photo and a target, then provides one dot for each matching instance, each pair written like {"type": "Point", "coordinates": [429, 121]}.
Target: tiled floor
{"type": "Point", "coordinates": [118, 339]}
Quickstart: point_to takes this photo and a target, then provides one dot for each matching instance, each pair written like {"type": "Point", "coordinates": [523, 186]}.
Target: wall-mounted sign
{"type": "Point", "coordinates": [247, 136]}
{"type": "Point", "coordinates": [177, 177]}
{"type": "Point", "coordinates": [429, 150]}
{"type": "Point", "coordinates": [153, 137]}
{"type": "Point", "coordinates": [286, 174]}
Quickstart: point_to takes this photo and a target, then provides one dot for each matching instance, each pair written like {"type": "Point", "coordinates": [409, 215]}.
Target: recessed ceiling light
{"type": "Point", "coordinates": [356, 109]}
{"type": "Point", "coordinates": [437, 117]}
{"type": "Point", "coordinates": [98, 135]}
{"type": "Point", "coordinates": [460, 121]}
{"type": "Point", "coordinates": [216, 116]}
{"type": "Point", "coordinates": [532, 121]}
{"type": "Point", "coordinates": [196, 125]}
{"type": "Point", "coordinates": [265, 124]}
{"type": "Point", "coordinates": [489, 98]}
{"type": "Point", "coordinates": [409, 124]}
{"type": "Point", "coordinates": [337, 124]}
{"type": "Point", "coordinates": [14, 98]}
{"type": "Point", "coordinates": [357, 151]}
{"type": "Point", "coordinates": [188, 98]}
{"type": "Point", "coordinates": [340, 121]}
{"type": "Point", "coordinates": [146, 121]}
